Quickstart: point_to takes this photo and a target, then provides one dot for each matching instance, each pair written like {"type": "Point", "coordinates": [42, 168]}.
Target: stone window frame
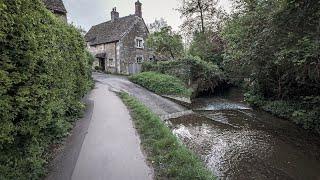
{"type": "Point", "coordinates": [139, 39]}
{"type": "Point", "coordinates": [141, 60]}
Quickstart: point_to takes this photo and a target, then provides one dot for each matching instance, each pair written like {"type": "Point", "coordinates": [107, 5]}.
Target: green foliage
{"type": "Point", "coordinates": [161, 83]}
{"type": "Point", "coordinates": [201, 15]}
{"type": "Point", "coordinates": [202, 75]}
{"type": "Point", "coordinates": [275, 45]}
{"type": "Point", "coordinates": [169, 157]}
{"type": "Point", "coordinates": [44, 72]}
{"type": "Point", "coordinates": [173, 68]}
{"type": "Point", "coordinates": [305, 112]}
{"type": "Point", "coordinates": [208, 46]}
{"type": "Point", "coordinates": [166, 43]}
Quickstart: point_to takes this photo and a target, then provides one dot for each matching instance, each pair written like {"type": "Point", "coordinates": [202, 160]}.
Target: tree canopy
{"type": "Point", "coordinates": [276, 46]}
{"type": "Point", "coordinates": [166, 43]}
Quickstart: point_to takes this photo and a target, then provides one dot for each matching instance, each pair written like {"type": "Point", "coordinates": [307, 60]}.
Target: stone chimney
{"type": "Point", "coordinates": [114, 14]}
{"type": "Point", "coordinates": [138, 9]}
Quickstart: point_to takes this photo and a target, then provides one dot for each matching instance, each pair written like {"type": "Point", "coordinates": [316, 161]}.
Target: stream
{"type": "Point", "coordinates": [237, 142]}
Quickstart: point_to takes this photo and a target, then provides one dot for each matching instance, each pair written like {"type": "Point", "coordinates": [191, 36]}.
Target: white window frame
{"type": "Point", "coordinates": [139, 61]}
{"type": "Point", "coordinates": [137, 44]}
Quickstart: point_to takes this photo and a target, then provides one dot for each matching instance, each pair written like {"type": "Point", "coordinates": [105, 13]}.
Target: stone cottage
{"type": "Point", "coordinates": [57, 8]}
{"type": "Point", "coordinates": [119, 44]}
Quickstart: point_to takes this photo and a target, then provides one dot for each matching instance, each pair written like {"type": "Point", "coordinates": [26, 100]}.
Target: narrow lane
{"type": "Point", "coordinates": [111, 148]}
{"type": "Point", "coordinates": [161, 106]}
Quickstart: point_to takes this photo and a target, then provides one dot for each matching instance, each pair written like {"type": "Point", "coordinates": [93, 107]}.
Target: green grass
{"type": "Point", "coordinates": [161, 84]}
{"type": "Point", "coordinates": [170, 159]}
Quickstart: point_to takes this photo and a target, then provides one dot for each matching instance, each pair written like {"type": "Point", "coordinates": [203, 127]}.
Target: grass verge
{"type": "Point", "coordinates": [161, 84]}
{"type": "Point", "coordinates": [170, 159]}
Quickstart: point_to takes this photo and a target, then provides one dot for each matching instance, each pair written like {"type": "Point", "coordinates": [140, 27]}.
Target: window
{"type": "Point", "coordinates": [139, 59]}
{"type": "Point", "coordinates": [111, 62]}
{"type": "Point", "coordinates": [139, 42]}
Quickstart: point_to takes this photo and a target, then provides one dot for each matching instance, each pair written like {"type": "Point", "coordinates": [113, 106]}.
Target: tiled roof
{"type": "Point", "coordinates": [110, 31]}
{"type": "Point", "coordinates": [55, 5]}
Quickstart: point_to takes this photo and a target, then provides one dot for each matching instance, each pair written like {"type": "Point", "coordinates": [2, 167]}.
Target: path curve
{"type": "Point", "coordinates": [111, 148]}
{"type": "Point", "coordinates": [161, 106]}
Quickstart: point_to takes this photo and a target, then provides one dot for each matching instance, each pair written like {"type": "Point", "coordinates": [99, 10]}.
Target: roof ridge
{"type": "Point", "coordinates": [131, 15]}
{"type": "Point", "coordinates": [111, 31]}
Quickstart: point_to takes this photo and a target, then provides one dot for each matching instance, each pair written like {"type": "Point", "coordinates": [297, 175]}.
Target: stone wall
{"type": "Point", "coordinates": [128, 49]}
{"type": "Point", "coordinates": [111, 58]}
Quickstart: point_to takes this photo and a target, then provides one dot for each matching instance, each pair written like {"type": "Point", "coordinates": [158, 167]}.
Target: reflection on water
{"type": "Point", "coordinates": [240, 143]}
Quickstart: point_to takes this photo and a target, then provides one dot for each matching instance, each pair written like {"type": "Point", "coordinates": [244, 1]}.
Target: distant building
{"type": "Point", "coordinates": [57, 8]}
{"type": "Point", "coordinates": [119, 44]}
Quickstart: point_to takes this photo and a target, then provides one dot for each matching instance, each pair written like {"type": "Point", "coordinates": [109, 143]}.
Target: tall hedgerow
{"type": "Point", "coordinates": [44, 72]}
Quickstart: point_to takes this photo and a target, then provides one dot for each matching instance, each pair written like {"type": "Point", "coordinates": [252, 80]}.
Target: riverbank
{"type": "Point", "coordinates": [167, 155]}
{"type": "Point", "coordinates": [304, 112]}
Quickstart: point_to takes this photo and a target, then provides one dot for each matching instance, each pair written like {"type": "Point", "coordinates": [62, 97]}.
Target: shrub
{"type": "Point", "coordinates": [44, 72]}
{"type": "Point", "coordinates": [161, 83]}
{"type": "Point", "coordinates": [193, 71]}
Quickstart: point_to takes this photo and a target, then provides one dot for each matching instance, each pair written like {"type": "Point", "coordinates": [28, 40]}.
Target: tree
{"type": "Point", "coordinates": [166, 43]}
{"type": "Point", "coordinates": [201, 15]}
{"type": "Point", "coordinates": [208, 46]}
{"type": "Point", "coordinates": [157, 25]}
{"type": "Point", "coordinates": [276, 44]}
{"type": "Point", "coordinates": [203, 20]}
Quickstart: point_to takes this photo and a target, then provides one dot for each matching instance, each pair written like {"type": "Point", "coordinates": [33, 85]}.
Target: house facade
{"type": "Point", "coordinates": [119, 44]}
{"type": "Point", "coordinates": [57, 8]}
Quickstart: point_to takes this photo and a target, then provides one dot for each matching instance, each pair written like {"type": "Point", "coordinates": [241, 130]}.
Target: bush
{"type": "Point", "coordinates": [161, 84]}
{"type": "Point", "coordinates": [44, 72]}
{"type": "Point", "coordinates": [202, 75]}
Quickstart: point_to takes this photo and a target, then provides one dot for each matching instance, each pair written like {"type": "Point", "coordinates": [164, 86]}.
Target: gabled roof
{"type": "Point", "coordinates": [110, 31]}
{"type": "Point", "coordinates": [55, 5]}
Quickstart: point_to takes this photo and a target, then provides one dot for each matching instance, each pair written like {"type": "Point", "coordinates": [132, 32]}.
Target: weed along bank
{"type": "Point", "coordinates": [119, 44]}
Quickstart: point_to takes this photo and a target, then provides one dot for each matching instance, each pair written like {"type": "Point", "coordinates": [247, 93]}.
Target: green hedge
{"type": "Point", "coordinates": [161, 84]}
{"type": "Point", "coordinates": [201, 75]}
{"type": "Point", "coordinates": [44, 72]}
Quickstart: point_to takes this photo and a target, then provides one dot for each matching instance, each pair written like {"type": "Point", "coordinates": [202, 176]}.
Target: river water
{"type": "Point", "coordinates": [236, 142]}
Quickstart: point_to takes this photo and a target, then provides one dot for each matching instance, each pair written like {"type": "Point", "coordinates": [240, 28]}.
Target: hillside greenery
{"type": "Point", "coordinates": [44, 73]}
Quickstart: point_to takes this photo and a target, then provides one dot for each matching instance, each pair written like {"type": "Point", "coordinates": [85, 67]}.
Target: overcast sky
{"type": "Point", "coordinates": [86, 13]}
